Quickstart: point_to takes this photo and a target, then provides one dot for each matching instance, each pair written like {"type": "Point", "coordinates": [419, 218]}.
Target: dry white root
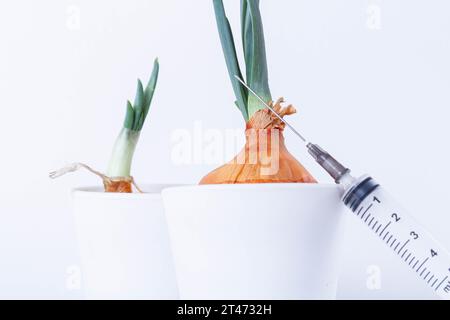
{"type": "Point", "coordinates": [106, 180]}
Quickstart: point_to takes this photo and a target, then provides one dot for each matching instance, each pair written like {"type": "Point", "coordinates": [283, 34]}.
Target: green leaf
{"type": "Point", "coordinates": [243, 19]}
{"type": "Point", "coordinates": [139, 99]}
{"type": "Point", "coordinates": [255, 54]}
{"type": "Point", "coordinates": [129, 116]}
{"type": "Point", "coordinates": [137, 113]}
{"type": "Point", "coordinates": [246, 33]}
{"type": "Point", "coordinates": [138, 104]}
{"type": "Point", "coordinates": [149, 91]}
{"type": "Point", "coordinates": [229, 50]}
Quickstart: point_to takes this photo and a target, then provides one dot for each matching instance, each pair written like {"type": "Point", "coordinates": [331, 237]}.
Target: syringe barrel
{"type": "Point", "coordinates": [401, 233]}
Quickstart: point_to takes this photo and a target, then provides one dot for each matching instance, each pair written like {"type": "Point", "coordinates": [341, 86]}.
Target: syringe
{"type": "Point", "coordinates": [400, 232]}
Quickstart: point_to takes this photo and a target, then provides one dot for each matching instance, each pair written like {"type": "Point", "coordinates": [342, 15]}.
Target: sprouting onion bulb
{"type": "Point", "coordinates": [264, 132]}
{"type": "Point", "coordinates": [125, 145]}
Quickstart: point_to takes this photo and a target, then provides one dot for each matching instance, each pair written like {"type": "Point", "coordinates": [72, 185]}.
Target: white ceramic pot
{"type": "Point", "coordinates": [124, 245]}
{"type": "Point", "coordinates": [255, 241]}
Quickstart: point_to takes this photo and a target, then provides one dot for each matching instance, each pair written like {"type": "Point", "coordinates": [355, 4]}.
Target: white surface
{"type": "Point", "coordinates": [124, 245]}
{"type": "Point", "coordinates": [64, 86]}
{"type": "Point", "coordinates": [229, 242]}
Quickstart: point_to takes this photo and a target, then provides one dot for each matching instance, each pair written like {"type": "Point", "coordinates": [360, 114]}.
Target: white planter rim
{"type": "Point", "coordinates": [250, 186]}
{"type": "Point", "coordinates": [151, 191]}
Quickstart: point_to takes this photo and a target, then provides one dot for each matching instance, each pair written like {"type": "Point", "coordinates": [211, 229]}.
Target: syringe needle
{"type": "Point", "coordinates": [271, 109]}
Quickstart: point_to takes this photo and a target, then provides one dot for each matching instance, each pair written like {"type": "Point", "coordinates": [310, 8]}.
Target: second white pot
{"type": "Point", "coordinates": [261, 241]}
{"type": "Point", "coordinates": [124, 244]}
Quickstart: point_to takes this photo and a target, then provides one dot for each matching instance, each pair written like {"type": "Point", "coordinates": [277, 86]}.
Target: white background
{"type": "Point", "coordinates": [376, 94]}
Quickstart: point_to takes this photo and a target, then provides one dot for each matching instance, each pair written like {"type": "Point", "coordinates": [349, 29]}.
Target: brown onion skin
{"type": "Point", "coordinates": [118, 186]}
{"type": "Point", "coordinates": [290, 170]}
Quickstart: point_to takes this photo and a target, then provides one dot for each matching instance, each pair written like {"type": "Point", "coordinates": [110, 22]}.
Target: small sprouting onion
{"type": "Point", "coordinates": [125, 145]}
{"type": "Point", "coordinates": [118, 176]}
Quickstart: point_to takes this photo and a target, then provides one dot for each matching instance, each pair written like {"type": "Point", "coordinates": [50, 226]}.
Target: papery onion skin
{"type": "Point", "coordinates": [290, 170]}
{"type": "Point", "coordinates": [118, 186]}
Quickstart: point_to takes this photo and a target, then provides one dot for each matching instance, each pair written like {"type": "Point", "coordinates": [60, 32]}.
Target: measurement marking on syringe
{"type": "Point", "coordinates": [423, 271]}
{"type": "Point", "coordinates": [415, 264]}
{"type": "Point", "coordinates": [373, 227]}
{"type": "Point", "coordinates": [431, 278]}
{"type": "Point", "coordinates": [434, 282]}
{"type": "Point", "coordinates": [425, 278]}
{"type": "Point", "coordinates": [389, 239]}
{"type": "Point", "coordinates": [397, 246]}
{"type": "Point", "coordinates": [403, 247]}
{"type": "Point", "coordinates": [386, 235]}
{"type": "Point", "coordinates": [404, 252]}
{"type": "Point", "coordinates": [384, 229]}
{"type": "Point", "coordinates": [371, 220]}
{"type": "Point", "coordinates": [378, 228]}
{"type": "Point", "coordinates": [368, 216]}
{"type": "Point", "coordinates": [440, 284]}
{"type": "Point", "coordinates": [425, 261]}
{"type": "Point", "coordinates": [411, 261]}
{"type": "Point", "coordinates": [359, 211]}
{"type": "Point", "coordinates": [368, 208]}
{"type": "Point", "coordinates": [409, 255]}
{"type": "Point", "coordinates": [393, 242]}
